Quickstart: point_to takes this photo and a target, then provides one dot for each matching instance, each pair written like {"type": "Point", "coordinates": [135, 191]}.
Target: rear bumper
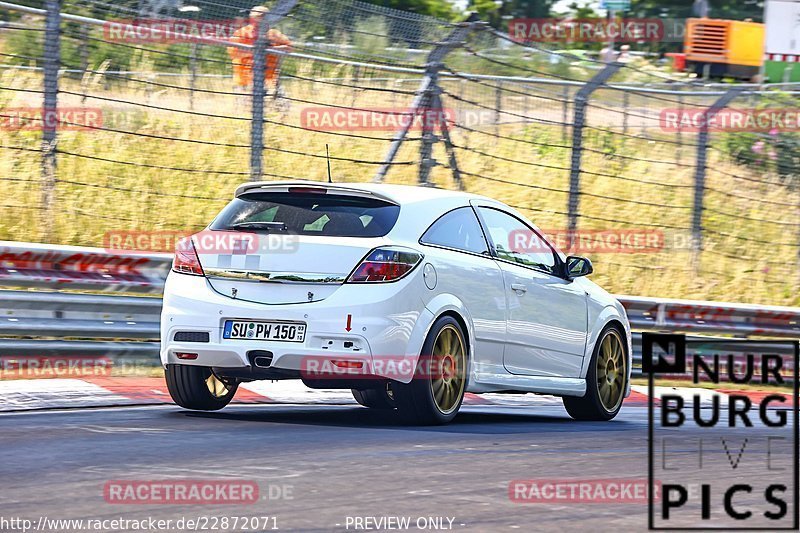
{"type": "Point", "coordinates": [386, 320]}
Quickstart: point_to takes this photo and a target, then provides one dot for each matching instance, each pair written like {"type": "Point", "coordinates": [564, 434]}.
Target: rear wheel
{"type": "Point", "coordinates": [435, 394]}
{"type": "Point", "coordinates": [606, 380]}
{"type": "Point", "coordinates": [376, 398]}
{"type": "Point", "coordinates": [198, 388]}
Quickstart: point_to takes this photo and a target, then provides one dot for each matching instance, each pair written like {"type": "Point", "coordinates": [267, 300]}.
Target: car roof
{"type": "Point", "coordinates": [420, 206]}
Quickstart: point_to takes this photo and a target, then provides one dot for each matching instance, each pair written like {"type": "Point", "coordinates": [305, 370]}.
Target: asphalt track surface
{"type": "Point", "coordinates": [338, 462]}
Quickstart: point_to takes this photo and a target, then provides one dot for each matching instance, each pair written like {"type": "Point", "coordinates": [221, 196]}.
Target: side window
{"type": "Point", "coordinates": [516, 242]}
{"type": "Point", "coordinates": [458, 229]}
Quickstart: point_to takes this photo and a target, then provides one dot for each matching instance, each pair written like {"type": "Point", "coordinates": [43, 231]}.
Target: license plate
{"type": "Point", "coordinates": [264, 331]}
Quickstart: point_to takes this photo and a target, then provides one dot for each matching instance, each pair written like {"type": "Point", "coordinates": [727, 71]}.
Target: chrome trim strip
{"type": "Point", "coordinates": [275, 277]}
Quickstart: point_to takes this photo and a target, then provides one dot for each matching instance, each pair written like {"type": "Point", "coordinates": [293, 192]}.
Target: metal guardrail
{"type": "Point", "coordinates": [46, 321]}
{"type": "Point", "coordinates": [712, 318]}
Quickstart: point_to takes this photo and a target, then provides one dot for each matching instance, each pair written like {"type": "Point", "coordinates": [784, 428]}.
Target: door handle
{"type": "Point", "coordinates": [518, 287]}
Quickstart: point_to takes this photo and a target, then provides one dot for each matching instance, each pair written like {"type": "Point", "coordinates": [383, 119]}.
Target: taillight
{"type": "Point", "coordinates": [186, 260]}
{"type": "Point", "coordinates": [385, 264]}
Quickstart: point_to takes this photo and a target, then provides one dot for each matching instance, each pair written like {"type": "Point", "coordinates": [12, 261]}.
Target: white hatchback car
{"type": "Point", "coordinates": [408, 296]}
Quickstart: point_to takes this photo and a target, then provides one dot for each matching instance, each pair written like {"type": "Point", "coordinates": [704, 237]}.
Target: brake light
{"type": "Point", "coordinates": [384, 265]}
{"type": "Point", "coordinates": [186, 260]}
{"type": "Point", "coordinates": [307, 190]}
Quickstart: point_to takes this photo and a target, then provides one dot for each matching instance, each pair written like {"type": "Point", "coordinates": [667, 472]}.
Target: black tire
{"type": "Point", "coordinates": [591, 406]}
{"type": "Point", "coordinates": [377, 398]}
{"type": "Point", "coordinates": [415, 401]}
{"type": "Point", "coordinates": [189, 387]}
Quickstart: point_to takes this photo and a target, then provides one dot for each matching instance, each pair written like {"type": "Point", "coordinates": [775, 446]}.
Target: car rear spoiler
{"type": "Point", "coordinates": [287, 186]}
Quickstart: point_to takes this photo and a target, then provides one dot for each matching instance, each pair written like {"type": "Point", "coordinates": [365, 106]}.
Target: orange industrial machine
{"type": "Point", "coordinates": [724, 48]}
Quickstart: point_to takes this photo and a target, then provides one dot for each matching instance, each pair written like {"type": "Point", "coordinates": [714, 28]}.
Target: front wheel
{"type": "Point", "coordinates": [435, 394]}
{"type": "Point", "coordinates": [606, 380]}
{"type": "Point", "coordinates": [198, 388]}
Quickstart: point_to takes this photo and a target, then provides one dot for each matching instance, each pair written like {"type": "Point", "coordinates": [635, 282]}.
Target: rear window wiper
{"type": "Point", "coordinates": [263, 226]}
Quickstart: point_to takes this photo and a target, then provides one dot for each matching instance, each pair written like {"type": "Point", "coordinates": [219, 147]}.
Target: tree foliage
{"type": "Point", "coordinates": [436, 8]}
{"type": "Point", "coordinates": [720, 9]}
{"type": "Point", "coordinates": [499, 15]}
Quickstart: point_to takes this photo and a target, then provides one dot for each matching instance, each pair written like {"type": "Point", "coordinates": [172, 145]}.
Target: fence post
{"type": "Point", "coordinates": [461, 87]}
{"type": "Point", "coordinates": [423, 97]}
{"type": "Point", "coordinates": [578, 121]}
{"type": "Point", "coordinates": [679, 133]}
{"type": "Point", "coordinates": [564, 112]}
{"type": "Point", "coordinates": [279, 11]}
{"type": "Point", "coordinates": [192, 74]}
{"type": "Point", "coordinates": [83, 53]}
{"type": "Point", "coordinates": [498, 105]}
{"type": "Point", "coordinates": [526, 107]}
{"type": "Point", "coordinates": [700, 168]}
{"type": "Point", "coordinates": [52, 64]}
{"type": "Point", "coordinates": [428, 114]}
{"type": "Point", "coordinates": [400, 135]}
{"type": "Point", "coordinates": [83, 35]}
{"type": "Point", "coordinates": [625, 104]}
{"type": "Point", "coordinates": [257, 102]}
{"type": "Point", "coordinates": [448, 142]}
{"type": "Point", "coordinates": [354, 92]}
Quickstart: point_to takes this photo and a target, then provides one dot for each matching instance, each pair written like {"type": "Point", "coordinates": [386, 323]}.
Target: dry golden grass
{"type": "Point", "coordinates": [95, 196]}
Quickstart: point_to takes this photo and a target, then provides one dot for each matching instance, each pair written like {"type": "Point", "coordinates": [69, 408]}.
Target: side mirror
{"type": "Point", "coordinates": [578, 266]}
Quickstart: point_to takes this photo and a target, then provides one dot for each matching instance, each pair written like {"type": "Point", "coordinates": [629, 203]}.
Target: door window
{"type": "Point", "coordinates": [517, 243]}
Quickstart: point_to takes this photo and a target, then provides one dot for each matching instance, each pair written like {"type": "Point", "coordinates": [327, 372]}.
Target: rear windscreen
{"type": "Point", "coordinates": [309, 214]}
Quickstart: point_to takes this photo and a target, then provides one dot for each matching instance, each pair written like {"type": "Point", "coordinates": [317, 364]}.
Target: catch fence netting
{"type": "Point", "coordinates": [155, 130]}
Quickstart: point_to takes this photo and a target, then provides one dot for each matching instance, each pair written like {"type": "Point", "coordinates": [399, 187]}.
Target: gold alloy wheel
{"type": "Point", "coordinates": [611, 371]}
{"type": "Point", "coordinates": [448, 369]}
{"type": "Point", "coordinates": [217, 387]}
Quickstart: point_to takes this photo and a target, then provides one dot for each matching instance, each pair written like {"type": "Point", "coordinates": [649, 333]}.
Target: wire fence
{"type": "Point", "coordinates": [144, 116]}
